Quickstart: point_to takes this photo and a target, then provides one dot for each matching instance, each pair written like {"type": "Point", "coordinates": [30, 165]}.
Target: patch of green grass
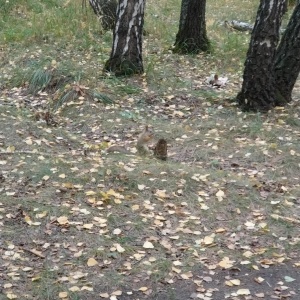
{"type": "Point", "coordinates": [47, 286]}
{"type": "Point", "coordinates": [43, 22]}
{"type": "Point", "coordinates": [120, 87]}
{"type": "Point", "coordinates": [41, 74]}
{"type": "Point", "coordinates": [160, 269]}
{"type": "Point", "coordinates": [162, 30]}
{"type": "Point", "coordinates": [293, 121]}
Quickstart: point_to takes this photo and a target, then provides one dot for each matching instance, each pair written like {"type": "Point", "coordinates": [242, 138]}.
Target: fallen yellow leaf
{"type": "Point", "coordinates": [74, 288]}
{"type": "Point", "coordinates": [63, 295]}
{"type": "Point", "coordinates": [104, 295]}
{"type": "Point", "coordinates": [62, 220]}
{"type": "Point", "coordinates": [148, 245]}
{"type": "Point", "coordinates": [243, 292]}
{"type": "Point", "coordinates": [208, 240]}
{"type": "Point", "coordinates": [88, 226]}
{"type": "Point", "coordinates": [226, 263]}
{"type": "Point", "coordinates": [119, 248]}
{"type": "Point", "coordinates": [92, 262]}
{"type": "Point", "coordinates": [117, 231]}
{"type": "Point", "coordinates": [135, 207]}
{"type": "Point", "coordinates": [117, 293]}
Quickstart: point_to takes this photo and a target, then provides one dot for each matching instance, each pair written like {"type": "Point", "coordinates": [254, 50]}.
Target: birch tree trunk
{"type": "Point", "coordinates": [287, 64]}
{"type": "Point", "coordinates": [258, 90]}
{"type": "Point", "coordinates": [126, 54]}
{"type": "Point", "coordinates": [191, 37]}
{"type": "Point", "coordinates": [106, 11]}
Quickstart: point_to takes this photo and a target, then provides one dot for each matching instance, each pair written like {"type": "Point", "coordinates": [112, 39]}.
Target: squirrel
{"type": "Point", "coordinates": [161, 149]}
{"type": "Point", "coordinates": [141, 145]}
{"type": "Point", "coordinates": [218, 81]}
{"type": "Point", "coordinates": [46, 116]}
{"type": "Point", "coordinates": [215, 81]}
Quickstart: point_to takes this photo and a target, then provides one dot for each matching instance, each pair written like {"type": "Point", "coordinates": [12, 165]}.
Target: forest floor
{"type": "Point", "coordinates": [218, 220]}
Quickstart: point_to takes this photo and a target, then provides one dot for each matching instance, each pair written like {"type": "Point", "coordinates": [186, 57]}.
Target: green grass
{"type": "Point", "coordinates": [75, 32]}
{"type": "Point", "coordinates": [36, 22]}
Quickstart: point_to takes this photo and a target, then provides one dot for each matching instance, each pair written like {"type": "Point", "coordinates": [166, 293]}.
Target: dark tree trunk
{"type": "Point", "coordinates": [106, 11]}
{"type": "Point", "coordinates": [258, 90]}
{"type": "Point", "coordinates": [191, 37]}
{"type": "Point", "coordinates": [287, 63]}
{"type": "Point", "coordinates": [126, 54]}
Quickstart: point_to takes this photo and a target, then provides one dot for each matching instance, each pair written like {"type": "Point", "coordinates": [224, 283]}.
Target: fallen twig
{"type": "Point", "coordinates": [287, 219]}
{"type": "Point", "coordinates": [35, 252]}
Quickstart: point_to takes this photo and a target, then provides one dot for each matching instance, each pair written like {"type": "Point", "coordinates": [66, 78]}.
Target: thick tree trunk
{"type": "Point", "coordinates": [287, 64]}
{"type": "Point", "coordinates": [191, 37]}
{"type": "Point", "coordinates": [126, 54]}
{"type": "Point", "coordinates": [106, 11]}
{"type": "Point", "coordinates": [258, 90]}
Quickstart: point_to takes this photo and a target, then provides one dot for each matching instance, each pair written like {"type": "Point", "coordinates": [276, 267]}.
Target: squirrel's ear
{"type": "Point", "coordinates": [146, 128]}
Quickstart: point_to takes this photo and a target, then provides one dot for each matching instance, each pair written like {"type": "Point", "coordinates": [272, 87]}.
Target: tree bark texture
{"type": "Point", "coordinates": [126, 54]}
{"type": "Point", "coordinates": [287, 64]}
{"type": "Point", "coordinates": [106, 11]}
{"type": "Point", "coordinates": [258, 90]}
{"type": "Point", "coordinates": [191, 37]}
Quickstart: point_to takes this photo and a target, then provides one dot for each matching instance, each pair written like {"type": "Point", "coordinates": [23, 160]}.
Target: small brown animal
{"type": "Point", "coordinates": [46, 116]}
{"type": "Point", "coordinates": [117, 148]}
{"type": "Point", "coordinates": [161, 149]}
{"type": "Point", "coordinates": [215, 81]}
{"type": "Point", "coordinates": [218, 81]}
{"type": "Point", "coordinates": [141, 145]}
{"type": "Point", "coordinates": [144, 138]}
